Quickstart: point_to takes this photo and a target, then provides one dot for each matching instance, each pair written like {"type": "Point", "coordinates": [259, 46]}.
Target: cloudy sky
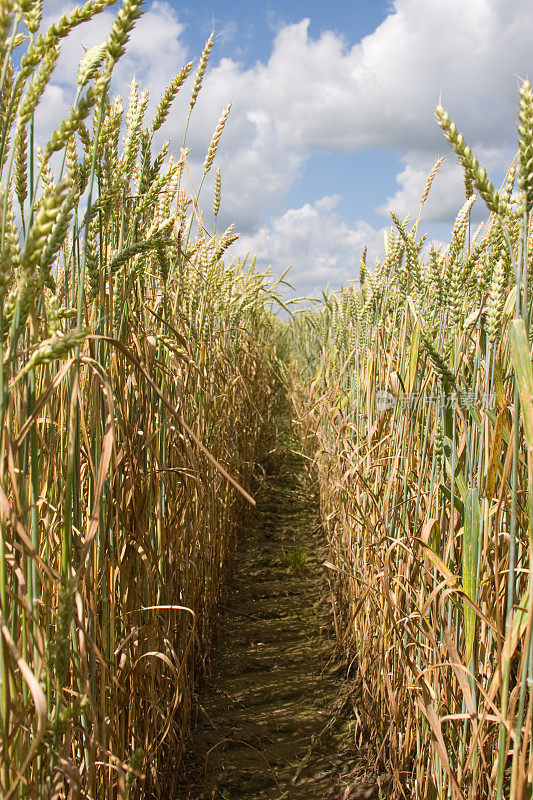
{"type": "Point", "coordinates": [332, 118]}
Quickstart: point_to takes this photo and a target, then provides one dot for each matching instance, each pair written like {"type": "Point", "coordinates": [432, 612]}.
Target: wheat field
{"type": "Point", "coordinates": [421, 386]}
{"type": "Point", "coordinates": [141, 365]}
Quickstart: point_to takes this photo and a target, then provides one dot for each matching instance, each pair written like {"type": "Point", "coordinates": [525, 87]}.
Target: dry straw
{"type": "Point", "coordinates": [135, 377]}
{"type": "Point", "coordinates": [427, 491]}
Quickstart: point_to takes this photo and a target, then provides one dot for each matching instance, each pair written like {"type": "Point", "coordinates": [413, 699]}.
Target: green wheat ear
{"type": "Point", "coordinates": [58, 30]}
{"type": "Point", "coordinates": [474, 172]}
{"type": "Point", "coordinates": [213, 147]}
{"type": "Point", "coordinates": [218, 188]}
{"type": "Point", "coordinates": [37, 86]}
{"type": "Point", "coordinates": [168, 96]}
{"type": "Point", "coordinates": [21, 172]}
{"type": "Point", "coordinates": [201, 71]}
{"type": "Point", "coordinates": [525, 145]}
{"type": "Point", "coordinates": [56, 348]}
{"type": "Point", "coordinates": [33, 17]}
{"type": "Point", "coordinates": [90, 63]}
{"type": "Point", "coordinates": [496, 300]}
{"type": "Point", "coordinates": [9, 253]}
{"type": "Point", "coordinates": [69, 126]}
{"type": "Point", "coordinates": [120, 32]}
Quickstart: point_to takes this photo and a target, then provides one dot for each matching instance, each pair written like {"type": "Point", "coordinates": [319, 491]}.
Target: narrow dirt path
{"type": "Point", "coordinates": [273, 721]}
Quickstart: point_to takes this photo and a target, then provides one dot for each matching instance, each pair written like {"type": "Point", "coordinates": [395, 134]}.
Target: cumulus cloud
{"type": "Point", "coordinates": [328, 94]}
{"type": "Point", "coordinates": [445, 198]}
{"type": "Point", "coordinates": [320, 247]}
{"type": "Point", "coordinates": [383, 90]}
{"type": "Point", "coordinates": [447, 190]}
{"type": "Point", "coordinates": [324, 94]}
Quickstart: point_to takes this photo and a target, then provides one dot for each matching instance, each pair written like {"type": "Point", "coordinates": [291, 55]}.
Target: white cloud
{"type": "Point", "coordinates": [326, 94]}
{"type": "Point", "coordinates": [445, 197]}
{"type": "Point", "coordinates": [321, 95]}
{"type": "Point", "coordinates": [321, 247]}
{"type": "Point", "coordinates": [447, 190]}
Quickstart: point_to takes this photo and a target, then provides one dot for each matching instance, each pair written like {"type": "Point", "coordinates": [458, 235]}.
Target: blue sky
{"type": "Point", "coordinates": [332, 118]}
{"type": "Point", "coordinates": [246, 27]}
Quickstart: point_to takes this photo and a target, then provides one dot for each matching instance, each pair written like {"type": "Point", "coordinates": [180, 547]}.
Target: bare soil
{"type": "Point", "coordinates": [275, 719]}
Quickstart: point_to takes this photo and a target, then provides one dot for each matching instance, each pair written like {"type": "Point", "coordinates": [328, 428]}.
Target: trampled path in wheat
{"type": "Point", "coordinates": [273, 720]}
